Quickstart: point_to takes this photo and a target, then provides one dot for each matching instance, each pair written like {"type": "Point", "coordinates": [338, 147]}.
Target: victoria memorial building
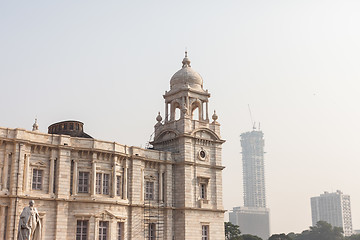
{"type": "Point", "coordinates": [85, 188]}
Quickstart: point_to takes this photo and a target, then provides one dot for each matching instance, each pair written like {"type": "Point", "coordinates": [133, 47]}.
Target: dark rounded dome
{"type": "Point", "coordinates": [71, 128]}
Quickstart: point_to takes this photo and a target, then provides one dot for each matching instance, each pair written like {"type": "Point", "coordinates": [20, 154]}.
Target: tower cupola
{"type": "Point", "coordinates": [186, 77]}
{"type": "Point", "coordinates": [186, 98]}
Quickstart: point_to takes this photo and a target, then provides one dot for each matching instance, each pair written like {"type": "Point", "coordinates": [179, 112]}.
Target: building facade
{"type": "Point", "coordinates": [254, 221]}
{"type": "Point", "coordinates": [86, 188]}
{"type": "Point", "coordinates": [253, 218]}
{"type": "Point", "coordinates": [333, 208]}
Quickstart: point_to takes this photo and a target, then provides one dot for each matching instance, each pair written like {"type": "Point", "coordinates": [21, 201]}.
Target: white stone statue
{"type": "Point", "coordinates": [29, 224]}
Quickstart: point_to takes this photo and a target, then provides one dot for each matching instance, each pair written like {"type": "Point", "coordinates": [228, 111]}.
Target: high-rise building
{"type": "Point", "coordinates": [333, 208]}
{"type": "Point", "coordinates": [86, 188]}
{"type": "Point", "coordinates": [253, 218]}
{"type": "Point", "coordinates": [252, 144]}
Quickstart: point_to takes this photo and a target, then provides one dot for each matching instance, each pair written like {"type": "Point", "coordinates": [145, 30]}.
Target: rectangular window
{"type": "Point", "coordinates": [98, 183]}
{"type": "Point", "coordinates": [106, 183]}
{"type": "Point", "coordinates": [83, 186]}
{"type": "Point", "coordinates": [103, 228]}
{"type": "Point", "coordinates": [71, 177]}
{"type": "Point", "coordinates": [149, 190]}
{"type": "Point", "coordinates": [152, 231]}
{"type": "Point", "coordinates": [118, 185]}
{"type": "Point", "coordinates": [163, 187]}
{"type": "Point", "coordinates": [203, 191]}
{"type": "Point", "coordinates": [37, 179]}
{"type": "Point", "coordinates": [81, 229]}
{"type": "Point", "coordinates": [120, 230]}
{"type": "Point", "coordinates": [9, 172]}
{"type": "Point", "coordinates": [205, 232]}
{"type": "Point", "coordinates": [55, 177]}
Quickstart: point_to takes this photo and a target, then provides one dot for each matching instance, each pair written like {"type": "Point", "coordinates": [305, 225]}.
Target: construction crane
{"type": "Point", "coordinates": [251, 118]}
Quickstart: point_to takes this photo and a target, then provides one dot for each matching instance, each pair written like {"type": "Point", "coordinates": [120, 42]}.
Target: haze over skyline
{"type": "Point", "coordinates": [108, 64]}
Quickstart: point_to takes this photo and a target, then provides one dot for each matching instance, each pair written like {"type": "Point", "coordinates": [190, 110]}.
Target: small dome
{"type": "Point", "coordinates": [186, 76]}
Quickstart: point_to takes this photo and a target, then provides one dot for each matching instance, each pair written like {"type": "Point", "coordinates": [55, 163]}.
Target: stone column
{"type": "Point", "coordinates": [161, 182]}
{"type": "Point", "coordinates": [112, 229]}
{"type": "Point", "coordinates": [113, 186]}
{"type": "Point", "coordinates": [172, 112]}
{"type": "Point", "coordinates": [51, 176]}
{"type": "Point", "coordinates": [166, 111]}
{"type": "Point", "coordinates": [207, 111]}
{"type": "Point", "coordinates": [75, 178]}
{"type": "Point", "coordinates": [125, 188]}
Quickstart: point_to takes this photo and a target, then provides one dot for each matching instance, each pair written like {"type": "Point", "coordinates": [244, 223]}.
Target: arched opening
{"type": "Point", "coordinates": [175, 111]}
{"type": "Point", "coordinates": [195, 114]}
{"type": "Point", "coordinates": [177, 114]}
{"type": "Point", "coordinates": [196, 110]}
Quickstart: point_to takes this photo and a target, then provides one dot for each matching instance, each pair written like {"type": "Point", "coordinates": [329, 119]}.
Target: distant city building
{"type": "Point", "coordinates": [253, 218]}
{"type": "Point", "coordinates": [333, 208]}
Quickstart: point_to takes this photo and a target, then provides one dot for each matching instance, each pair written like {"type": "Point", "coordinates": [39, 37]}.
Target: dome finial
{"type": "Point", "coordinates": [214, 116]}
{"type": "Point", "coordinates": [159, 118]}
{"type": "Point", "coordinates": [186, 60]}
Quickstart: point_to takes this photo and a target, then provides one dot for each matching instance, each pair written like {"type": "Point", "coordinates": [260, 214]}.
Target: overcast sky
{"type": "Point", "coordinates": [108, 63]}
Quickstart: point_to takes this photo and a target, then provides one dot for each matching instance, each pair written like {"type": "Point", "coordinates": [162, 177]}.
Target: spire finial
{"type": "Point", "coordinates": [186, 61]}
{"type": "Point", "coordinates": [35, 126]}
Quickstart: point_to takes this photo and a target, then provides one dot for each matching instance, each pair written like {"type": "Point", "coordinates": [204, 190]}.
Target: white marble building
{"type": "Point", "coordinates": [86, 188]}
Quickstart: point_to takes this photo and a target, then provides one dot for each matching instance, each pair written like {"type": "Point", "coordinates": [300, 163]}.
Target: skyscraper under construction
{"type": "Point", "coordinates": [253, 218]}
{"type": "Point", "coordinates": [252, 144]}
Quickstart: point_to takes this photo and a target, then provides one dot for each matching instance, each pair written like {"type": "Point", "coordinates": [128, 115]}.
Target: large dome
{"type": "Point", "coordinates": [186, 77]}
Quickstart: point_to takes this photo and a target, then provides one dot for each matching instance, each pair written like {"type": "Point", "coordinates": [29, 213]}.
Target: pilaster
{"type": "Point", "coordinates": [5, 170]}
{"type": "Point", "coordinates": [113, 185]}
{"type": "Point", "coordinates": [93, 175]}
{"type": "Point", "coordinates": [51, 176]}
{"type": "Point", "coordinates": [62, 213]}
{"type": "Point", "coordinates": [75, 178]}
{"type": "Point", "coordinates": [125, 182]}
{"type": "Point", "coordinates": [63, 173]}
{"type": "Point", "coordinates": [2, 220]}
{"type": "Point", "coordinates": [26, 179]}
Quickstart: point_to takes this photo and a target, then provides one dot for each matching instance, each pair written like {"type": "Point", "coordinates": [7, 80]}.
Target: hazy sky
{"type": "Point", "coordinates": [108, 63]}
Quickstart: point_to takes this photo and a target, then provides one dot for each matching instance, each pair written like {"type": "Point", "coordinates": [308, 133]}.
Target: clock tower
{"type": "Point", "coordinates": [195, 144]}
